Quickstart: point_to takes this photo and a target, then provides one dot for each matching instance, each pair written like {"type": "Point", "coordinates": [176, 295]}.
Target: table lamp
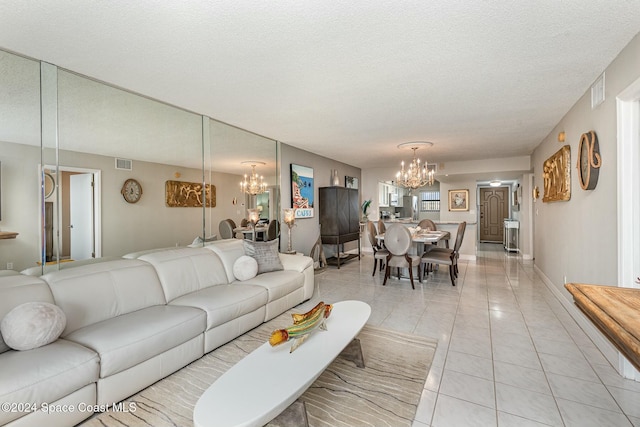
{"type": "Point", "coordinates": [254, 217]}
{"type": "Point", "coordinates": [289, 219]}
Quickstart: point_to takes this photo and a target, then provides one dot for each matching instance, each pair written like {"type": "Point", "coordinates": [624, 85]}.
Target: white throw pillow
{"type": "Point", "coordinates": [32, 325]}
{"type": "Point", "coordinates": [245, 268]}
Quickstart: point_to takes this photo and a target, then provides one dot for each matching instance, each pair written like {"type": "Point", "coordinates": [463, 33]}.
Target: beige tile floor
{"type": "Point", "coordinates": [508, 352]}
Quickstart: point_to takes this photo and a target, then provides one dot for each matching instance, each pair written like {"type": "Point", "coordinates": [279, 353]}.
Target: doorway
{"type": "Point", "coordinates": [628, 112]}
{"type": "Point", "coordinates": [75, 222]}
{"type": "Point", "coordinates": [494, 208]}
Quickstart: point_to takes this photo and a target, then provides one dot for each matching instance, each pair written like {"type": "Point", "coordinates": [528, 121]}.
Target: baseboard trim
{"type": "Point", "coordinates": [600, 341]}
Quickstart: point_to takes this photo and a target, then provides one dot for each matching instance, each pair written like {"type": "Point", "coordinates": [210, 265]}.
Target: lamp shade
{"type": "Point", "coordinates": [254, 215]}
{"type": "Point", "coordinates": [289, 216]}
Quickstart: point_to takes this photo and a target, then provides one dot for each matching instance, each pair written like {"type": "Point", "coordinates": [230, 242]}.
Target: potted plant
{"type": "Point", "coordinates": [365, 210]}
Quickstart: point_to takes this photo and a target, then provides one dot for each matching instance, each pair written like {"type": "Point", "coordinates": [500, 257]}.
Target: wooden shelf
{"type": "Point", "coordinates": [615, 311]}
{"type": "Point", "coordinates": [335, 261]}
{"type": "Point", "coordinates": [8, 235]}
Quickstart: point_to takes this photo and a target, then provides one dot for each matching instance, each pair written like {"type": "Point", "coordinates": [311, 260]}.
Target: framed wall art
{"type": "Point", "coordinates": [302, 191]}
{"type": "Point", "coordinates": [458, 200]}
{"type": "Point", "coordinates": [351, 182]}
{"type": "Point", "coordinates": [180, 194]}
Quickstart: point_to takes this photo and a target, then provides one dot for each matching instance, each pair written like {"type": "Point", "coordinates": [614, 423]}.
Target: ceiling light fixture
{"type": "Point", "coordinates": [253, 184]}
{"type": "Point", "coordinates": [495, 183]}
{"type": "Point", "coordinates": [416, 175]}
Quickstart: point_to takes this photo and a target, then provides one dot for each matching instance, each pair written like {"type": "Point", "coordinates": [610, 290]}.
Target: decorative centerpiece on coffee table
{"type": "Point", "coordinates": [303, 325]}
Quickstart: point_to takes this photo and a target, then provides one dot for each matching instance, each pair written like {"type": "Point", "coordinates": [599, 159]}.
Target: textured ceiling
{"type": "Point", "coordinates": [347, 80]}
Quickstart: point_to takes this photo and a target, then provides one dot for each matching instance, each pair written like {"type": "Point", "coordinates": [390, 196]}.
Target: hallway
{"type": "Point", "coordinates": [508, 352]}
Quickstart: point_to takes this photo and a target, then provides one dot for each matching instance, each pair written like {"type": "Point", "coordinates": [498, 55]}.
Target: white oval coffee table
{"type": "Point", "coordinates": [268, 380]}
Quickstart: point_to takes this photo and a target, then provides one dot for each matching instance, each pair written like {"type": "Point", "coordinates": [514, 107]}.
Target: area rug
{"type": "Point", "coordinates": [384, 393]}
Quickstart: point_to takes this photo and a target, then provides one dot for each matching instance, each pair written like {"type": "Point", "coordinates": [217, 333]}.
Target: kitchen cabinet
{"type": "Point", "coordinates": [389, 195]}
{"type": "Point", "coordinates": [383, 194]}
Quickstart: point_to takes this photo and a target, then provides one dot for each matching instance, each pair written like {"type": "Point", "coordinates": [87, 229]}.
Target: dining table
{"type": "Point", "coordinates": [420, 238]}
{"type": "Point", "coordinates": [248, 231]}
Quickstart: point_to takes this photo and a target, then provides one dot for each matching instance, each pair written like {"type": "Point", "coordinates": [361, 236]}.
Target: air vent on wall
{"type": "Point", "coordinates": [124, 164]}
{"type": "Point", "coordinates": [597, 92]}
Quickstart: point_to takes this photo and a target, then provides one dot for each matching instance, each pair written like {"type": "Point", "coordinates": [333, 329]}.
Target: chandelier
{"type": "Point", "coordinates": [253, 184]}
{"type": "Point", "coordinates": [416, 175]}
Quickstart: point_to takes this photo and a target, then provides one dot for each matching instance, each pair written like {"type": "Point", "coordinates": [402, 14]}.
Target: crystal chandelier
{"type": "Point", "coordinates": [416, 175]}
{"type": "Point", "coordinates": [253, 184]}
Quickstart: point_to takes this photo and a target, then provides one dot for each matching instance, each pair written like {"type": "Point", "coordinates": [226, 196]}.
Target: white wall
{"type": "Point", "coordinates": [577, 239]}
{"type": "Point", "coordinates": [306, 231]}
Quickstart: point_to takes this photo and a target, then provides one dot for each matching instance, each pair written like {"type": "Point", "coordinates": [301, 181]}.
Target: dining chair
{"type": "Point", "coordinates": [381, 230]}
{"type": "Point", "coordinates": [226, 228]}
{"type": "Point", "coordinates": [379, 253]}
{"type": "Point", "coordinates": [446, 256]}
{"type": "Point", "coordinates": [427, 224]}
{"type": "Point", "coordinates": [397, 240]}
{"type": "Point", "coordinates": [273, 232]}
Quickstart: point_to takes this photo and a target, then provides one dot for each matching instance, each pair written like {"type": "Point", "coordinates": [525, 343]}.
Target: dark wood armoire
{"type": "Point", "coordinates": [339, 209]}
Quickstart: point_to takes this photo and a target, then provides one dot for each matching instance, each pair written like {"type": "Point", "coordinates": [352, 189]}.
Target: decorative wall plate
{"type": "Point", "coordinates": [589, 160]}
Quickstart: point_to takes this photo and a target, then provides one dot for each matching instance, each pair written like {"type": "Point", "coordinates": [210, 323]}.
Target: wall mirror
{"type": "Point", "coordinates": [20, 157]}
{"type": "Point", "coordinates": [229, 156]}
{"type": "Point", "coordinates": [98, 135]}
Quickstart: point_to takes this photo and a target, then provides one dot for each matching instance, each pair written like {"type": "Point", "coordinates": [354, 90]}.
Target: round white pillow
{"type": "Point", "coordinates": [245, 268]}
{"type": "Point", "coordinates": [32, 325]}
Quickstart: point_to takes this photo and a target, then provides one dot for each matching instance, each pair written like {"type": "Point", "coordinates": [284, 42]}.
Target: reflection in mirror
{"type": "Point", "coordinates": [229, 154]}
{"type": "Point", "coordinates": [20, 158]}
{"type": "Point", "coordinates": [106, 137]}
{"type": "Point", "coordinates": [109, 135]}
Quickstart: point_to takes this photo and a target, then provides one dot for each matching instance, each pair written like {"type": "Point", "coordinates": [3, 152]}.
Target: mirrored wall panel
{"type": "Point", "coordinates": [243, 168]}
{"type": "Point", "coordinates": [105, 172]}
{"type": "Point", "coordinates": [117, 150]}
{"type": "Point", "coordinates": [19, 161]}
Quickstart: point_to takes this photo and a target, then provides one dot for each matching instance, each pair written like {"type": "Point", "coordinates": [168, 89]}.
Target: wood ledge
{"type": "Point", "coordinates": [8, 235]}
{"type": "Point", "coordinates": [615, 311]}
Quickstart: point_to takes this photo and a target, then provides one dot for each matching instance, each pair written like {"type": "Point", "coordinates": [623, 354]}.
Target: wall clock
{"type": "Point", "coordinates": [589, 160]}
{"type": "Point", "coordinates": [131, 191]}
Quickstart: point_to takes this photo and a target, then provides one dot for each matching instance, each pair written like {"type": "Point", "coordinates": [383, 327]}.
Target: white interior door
{"type": "Point", "coordinates": [81, 216]}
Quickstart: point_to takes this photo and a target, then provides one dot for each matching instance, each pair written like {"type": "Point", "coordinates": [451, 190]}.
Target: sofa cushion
{"type": "Point", "coordinates": [296, 262]}
{"type": "Point", "coordinates": [278, 283]}
{"type": "Point", "coordinates": [245, 268]}
{"type": "Point", "coordinates": [45, 374]}
{"type": "Point", "coordinates": [16, 289]}
{"type": "Point", "coordinates": [228, 250]}
{"type": "Point", "coordinates": [223, 303]}
{"type": "Point", "coordinates": [185, 270]}
{"type": "Point", "coordinates": [266, 253]}
{"type": "Point", "coordinates": [92, 293]}
{"type": "Point", "coordinates": [124, 341]}
{"type": "Point", "coordinates": [32, 325]}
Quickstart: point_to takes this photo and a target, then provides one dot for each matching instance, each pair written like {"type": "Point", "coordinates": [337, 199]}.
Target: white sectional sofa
{"type": "Point", "coordinates": [133, 321]}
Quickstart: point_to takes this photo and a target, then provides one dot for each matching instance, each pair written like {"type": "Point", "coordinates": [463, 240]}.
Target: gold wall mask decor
{"type": "Point", "coordinates": [189, 194]}
{"type": "Point", "coordinates": [556, 173]}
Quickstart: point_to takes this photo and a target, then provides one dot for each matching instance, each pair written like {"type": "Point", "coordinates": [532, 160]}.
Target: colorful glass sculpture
{"type": "Point", "coordinates": [303, 325]}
